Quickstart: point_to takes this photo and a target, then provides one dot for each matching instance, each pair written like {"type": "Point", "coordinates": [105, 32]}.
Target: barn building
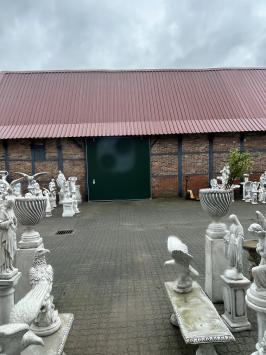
{"type": "Point", "coordinates": [132, 134]}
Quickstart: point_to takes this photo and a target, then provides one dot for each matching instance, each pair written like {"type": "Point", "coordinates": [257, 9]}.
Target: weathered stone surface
{"type": "Point", "coordinates": [53, 344]}
{"type": "Point", "coordinates": [7, 289]}
{"type": "Point", "coordinates": [197, 317]}
{"type": "Point", "coordinates": [215, 265]}
{"type": "Point", "coordinates": [235, 315]}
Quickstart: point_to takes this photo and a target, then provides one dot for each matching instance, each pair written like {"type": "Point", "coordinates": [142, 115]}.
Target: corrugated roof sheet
{"type": "Point", "coordinates": [45, 104]}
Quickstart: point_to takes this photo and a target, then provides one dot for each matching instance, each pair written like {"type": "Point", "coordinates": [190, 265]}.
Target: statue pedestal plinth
{"type": "Point", "coordinates": [235, 315]}
{"type": "Point", "coordinates": [68, 210]}
{"type": "Point", "coordinates": [53, 344]}
{"type": "Point", "coordinates": [30, 239]}
{"type": "Point", "coordinates": [215, 262]}
{"type": "Point", "coordinates": [7, 289]}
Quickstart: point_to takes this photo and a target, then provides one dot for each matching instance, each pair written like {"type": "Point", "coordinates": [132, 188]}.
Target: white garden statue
{"type": "Point", "coordinates": [8, 243]}
{"type": "Point", "coordinates": [234, 249]}
{"type": "Point", "coordinates": [181, 259]}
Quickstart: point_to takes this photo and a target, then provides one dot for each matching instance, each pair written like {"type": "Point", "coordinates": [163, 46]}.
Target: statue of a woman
{"type": "Point", "coordinates": [234, 249]}
{"type": "Point", "coordinates": [8, 243]}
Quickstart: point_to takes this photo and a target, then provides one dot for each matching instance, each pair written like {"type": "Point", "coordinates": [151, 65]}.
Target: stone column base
{"type": "Point", "coordinates": [7, 289]}
{"type": "Point", "coordinates": [235, 315]}
{"type": "Point", "coordinates": [215, 265]}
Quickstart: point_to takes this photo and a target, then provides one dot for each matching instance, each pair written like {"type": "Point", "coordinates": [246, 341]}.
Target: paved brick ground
{"type": "Point", "coordinates": [110, 274]}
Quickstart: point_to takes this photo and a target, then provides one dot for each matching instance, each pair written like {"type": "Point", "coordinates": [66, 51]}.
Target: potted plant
{"type": "Point", "coordinates": [217, 199]}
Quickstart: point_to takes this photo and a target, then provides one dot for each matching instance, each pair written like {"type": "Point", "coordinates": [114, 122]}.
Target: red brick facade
{"type": "Point", "coordinates": [197, 167]}
{"type": "Point", "coordinates": [177, 162]}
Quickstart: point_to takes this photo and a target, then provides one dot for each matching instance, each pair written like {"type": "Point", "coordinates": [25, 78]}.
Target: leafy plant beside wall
{"type": "Point", "coordinates": [239, 164]}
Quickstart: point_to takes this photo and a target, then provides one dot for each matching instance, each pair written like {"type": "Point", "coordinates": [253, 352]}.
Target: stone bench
{"type": "Point", "coordinates": [198, 319]}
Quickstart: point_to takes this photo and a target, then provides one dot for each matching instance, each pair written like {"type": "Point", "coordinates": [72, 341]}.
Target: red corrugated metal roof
{"type": "Point", "coordinates": [136, 102]}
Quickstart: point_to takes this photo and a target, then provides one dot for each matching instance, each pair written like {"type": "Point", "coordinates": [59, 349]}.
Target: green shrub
{"type": "Point", "coordinates": [239, 164]}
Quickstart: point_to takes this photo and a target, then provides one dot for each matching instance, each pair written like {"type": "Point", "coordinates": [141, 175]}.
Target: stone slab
{"type": "Point", "coordinates": [23, 261]}
{"type": "Point", "coordinates": [197, 317]}
{"type": "Point", "coordinates": [53, 344]}
{"type": "Point", "coordinates": [215, 265]}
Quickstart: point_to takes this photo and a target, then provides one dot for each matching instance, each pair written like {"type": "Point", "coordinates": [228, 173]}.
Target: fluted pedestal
{"type": "Point", "coordinates": [216, 203]}
{"type": "Point", "coordinates": [7, 290]}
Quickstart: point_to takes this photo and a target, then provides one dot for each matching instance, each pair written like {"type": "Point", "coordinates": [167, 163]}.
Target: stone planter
{"type": "Point", "coordinates": [216, 203]}
{"type": "Point", "coordinates": [29, 212]}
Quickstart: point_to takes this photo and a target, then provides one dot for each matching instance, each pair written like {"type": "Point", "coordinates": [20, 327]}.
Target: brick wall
{"type": "Point", "coordinates": [165, 156]}
{"type": "Point", "coordinates": [20, 159]}
{"type": "Point", "coordinates": [195, 159]}
{"type": "Point", "coordinates": [164, 166]}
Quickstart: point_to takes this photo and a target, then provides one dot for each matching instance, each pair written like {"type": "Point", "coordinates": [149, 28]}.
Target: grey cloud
{"type": "Point", "coordinates": [60, 34]}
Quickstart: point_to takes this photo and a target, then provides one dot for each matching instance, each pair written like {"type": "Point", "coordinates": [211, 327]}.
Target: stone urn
{"type": "Point", "coordinates": [216, 203]}
{"type": "Point", "coordinates": [29, 211]}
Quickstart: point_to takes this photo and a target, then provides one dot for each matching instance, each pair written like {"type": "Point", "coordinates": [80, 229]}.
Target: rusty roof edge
{"type": "Point", "coordinates": [129, 70]}
{"type": "Point", "coordinates": [157, 130]}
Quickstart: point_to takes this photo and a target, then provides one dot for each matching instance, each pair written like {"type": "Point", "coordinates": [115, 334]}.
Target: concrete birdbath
{"type": "Point", "coordinates": [250, 246]}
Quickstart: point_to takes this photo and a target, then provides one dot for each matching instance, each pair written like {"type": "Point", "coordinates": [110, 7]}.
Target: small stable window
{"type": "Point", "coordinates": [38, 151]}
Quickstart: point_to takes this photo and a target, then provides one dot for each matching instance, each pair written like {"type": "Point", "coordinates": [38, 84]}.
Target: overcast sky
{"type": "Point", "coordinates": [131, 34]}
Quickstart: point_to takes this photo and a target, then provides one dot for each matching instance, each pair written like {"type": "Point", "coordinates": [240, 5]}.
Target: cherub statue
{"type": "Point", "coordinates": [214, 184]}
{"type": "Point", "coordinates": [52, 187]}
{"type": "Point", "coordinates": [60, 180]}
{"type": "Point", "coordinates": [182, 259]}
{"type": "Point", "coordinates": [8, 244]}
{"type": "Point", "coordinates": [254, 193]}
{"type": "Point", "coordinates": [234, 249]}
{"type": "Point", "coordinates": [48, 208]}
{"type": "Point", "coordinates": [225, 176]}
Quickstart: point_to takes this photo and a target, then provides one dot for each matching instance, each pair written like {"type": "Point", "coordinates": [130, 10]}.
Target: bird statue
{"type": "Point", "coordinates": [47, 322]}
{"type": "Point", "coordinates": [182, 259]}
{"type": "Point", "coordinates": [31, 178]}
{"type": "Point", "coordinates": [16, 337]}
{"type": "Point", "coordinates": [33, 185]}
{"type": "Point", "coordinates": [40, 271]}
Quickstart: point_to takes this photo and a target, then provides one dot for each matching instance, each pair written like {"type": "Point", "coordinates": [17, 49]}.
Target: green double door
{"type": "Point", "coordinates": [118, 168]}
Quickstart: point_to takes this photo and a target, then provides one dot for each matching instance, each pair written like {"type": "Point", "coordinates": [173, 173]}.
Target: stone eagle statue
{"type": "Point", "coordinates": [181, 259]}
{"type": "Point", "coordinates": [40, 270]}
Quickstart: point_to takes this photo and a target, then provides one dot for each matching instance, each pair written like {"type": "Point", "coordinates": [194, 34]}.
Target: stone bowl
{"type": "Point", "coordinates": [29, 211]}
{"type": "Point", "coordinates": [216, 202]}
{"type": "Point", "coordinates": [250, 245]}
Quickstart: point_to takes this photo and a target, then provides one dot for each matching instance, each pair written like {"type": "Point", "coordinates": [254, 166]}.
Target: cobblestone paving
{"type": "Point", "coordinates": [110, 274]}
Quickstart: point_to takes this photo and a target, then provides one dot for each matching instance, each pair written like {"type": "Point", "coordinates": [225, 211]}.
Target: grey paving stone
{"type": "Point", "coordinates": [110, 274]}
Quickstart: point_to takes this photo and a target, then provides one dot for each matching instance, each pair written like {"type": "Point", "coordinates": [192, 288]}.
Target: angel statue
{"type": "Point", "coordinates": [234, 249]}
{"type": "Point", "coordinates": [8, 244]}
{"type": "Point", "coordinates": [182, 259]}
